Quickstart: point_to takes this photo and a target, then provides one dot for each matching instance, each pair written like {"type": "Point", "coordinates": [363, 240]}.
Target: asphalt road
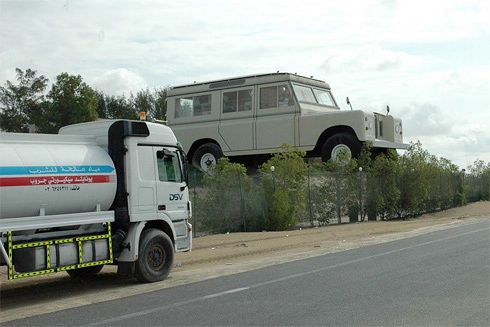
{"type": "Point", "coordinates": [436, 279]}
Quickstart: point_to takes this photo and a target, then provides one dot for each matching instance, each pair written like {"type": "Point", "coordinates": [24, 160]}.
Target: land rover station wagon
{"type": "Point", "coordinates": [247, 118]}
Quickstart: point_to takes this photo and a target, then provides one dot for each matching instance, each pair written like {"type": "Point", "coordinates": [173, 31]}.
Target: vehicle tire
{"type": "Point", "coordinates": [206, 155]}
{"type": "Point", "coordinates": [85, 271]}
{"type": "Point", "coordinates": [156, 256]}
{"type": "Point", "coordinates": [341, 142]}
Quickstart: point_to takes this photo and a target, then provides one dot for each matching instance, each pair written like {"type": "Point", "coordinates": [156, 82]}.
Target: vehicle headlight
{"type": "Point", "coordinates": [369, 123]}
{"type": "Point", "coordinates": [398, 128]}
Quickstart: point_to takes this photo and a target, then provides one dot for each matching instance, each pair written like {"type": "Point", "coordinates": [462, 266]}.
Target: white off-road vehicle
{"type": "Point", "coordinates": [247, 118]}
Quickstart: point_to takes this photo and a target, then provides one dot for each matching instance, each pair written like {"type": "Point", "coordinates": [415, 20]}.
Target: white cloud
{"type": "Point", "coordinates": [367, 58]}
{"type": "Point", "coordinates": [426, 120]}
{"type": "Point", "coordinates": [118, 82]}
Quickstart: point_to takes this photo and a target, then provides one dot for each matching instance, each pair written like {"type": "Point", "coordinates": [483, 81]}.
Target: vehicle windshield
{"type": "Point", "coordinates": [314, 95]}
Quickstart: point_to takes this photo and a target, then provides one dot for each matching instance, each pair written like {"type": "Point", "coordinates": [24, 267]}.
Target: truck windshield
{"type": "Point", "coordinates": [314, 95]}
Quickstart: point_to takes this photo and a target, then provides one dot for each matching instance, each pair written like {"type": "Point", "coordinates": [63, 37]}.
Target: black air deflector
{"type": "Point", "coordinates": [117, 132]}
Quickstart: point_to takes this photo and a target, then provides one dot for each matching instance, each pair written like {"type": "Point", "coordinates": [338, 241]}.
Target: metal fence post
{"type": "Point", "coordinates": [309, 199]}
{"type": "Point", "coordinates": [360, 194]}
{"type": "Point", "coordinates": [242, 204]}
{"type": "Point", "coordinates": [337, 182]}
{"type": "Point", "coordinates": [194, 227]}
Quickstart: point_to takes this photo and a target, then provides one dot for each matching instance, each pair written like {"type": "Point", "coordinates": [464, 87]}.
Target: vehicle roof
{"type": "Point", "coordinates": [244, 81]}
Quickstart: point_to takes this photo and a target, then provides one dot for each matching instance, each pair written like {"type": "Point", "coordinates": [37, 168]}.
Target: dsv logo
{"type": "Point", "coordinates": [175, 197]}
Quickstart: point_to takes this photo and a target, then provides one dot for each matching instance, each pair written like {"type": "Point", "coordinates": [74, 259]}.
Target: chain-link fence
{"type": "Point", "coordinates": [242, 203]}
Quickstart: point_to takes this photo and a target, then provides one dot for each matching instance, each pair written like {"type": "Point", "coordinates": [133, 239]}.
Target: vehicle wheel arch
{"type": "Point", "coordinates": [196, 145]}
{"type": "Point", "coordinates": [328, 133]}
{"type": "Point", "coordinates": [205, 154]}
{"type": "Point", "coordinates": [135, 232]}
{"type": "Point", "coordinates": [160, 225]}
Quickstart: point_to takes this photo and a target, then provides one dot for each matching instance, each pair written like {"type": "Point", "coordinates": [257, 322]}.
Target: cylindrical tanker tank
{"type": "Point", "coordinates": [53, 174]}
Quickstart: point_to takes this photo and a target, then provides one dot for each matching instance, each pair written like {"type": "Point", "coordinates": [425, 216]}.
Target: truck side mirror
{"type": "Point", "coordinates": [165, 153]}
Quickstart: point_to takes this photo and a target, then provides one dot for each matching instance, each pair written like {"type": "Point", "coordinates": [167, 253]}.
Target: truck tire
{"type": "Point", "coordinates": [206, 155]}
{"type": "Point", "coordinates": [85, 271]}
{"type": "Point", "coordinates": [339, 142]}
{"type": "Point", "coordinates": [156, 256]}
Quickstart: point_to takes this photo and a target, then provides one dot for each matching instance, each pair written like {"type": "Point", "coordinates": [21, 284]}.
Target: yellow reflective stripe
{"type": "Point", "coordinates": [95, 263]}
{"type": "Point", "coordinates": [31, 245]}
{"type": "Point", "coordinates": [92, 237]}
{"type": "Point", "coordinates": [66, 240]}
{"type": "Point", "coordinates": [34, 273]}
{"type": "Point", "coordinates": [65, 268]}
{"type": "Point", "coordinates": [11, 267]}
{"type": "Point", "coordinates": [80, 252]}
{"type": "Point", "coordinates": [109, 239]}
{"type": "Point", "coordinates": [48, 256]}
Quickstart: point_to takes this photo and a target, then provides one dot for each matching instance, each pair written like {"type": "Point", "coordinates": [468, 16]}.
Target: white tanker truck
{"type": "Point", "coordinates": [105, 192]}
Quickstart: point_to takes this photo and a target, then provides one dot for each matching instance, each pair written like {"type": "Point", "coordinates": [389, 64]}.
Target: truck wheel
{"type": "Point", "coordinates": [156, 256]}
{"type": "Point", "coordinates": [85, 271]}
{"type": "Point", "coordinates": [338, 143]}
{"type": "Point", "coordinates": [206, 155]}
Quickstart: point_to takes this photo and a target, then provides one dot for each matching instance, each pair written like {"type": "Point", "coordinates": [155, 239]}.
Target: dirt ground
{"type": "Point", "coordinates": [219, 255]}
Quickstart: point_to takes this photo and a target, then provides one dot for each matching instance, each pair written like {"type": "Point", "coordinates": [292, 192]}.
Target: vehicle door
{"type": "Point", "coordinates": [172, 196]}
{"type": "Point", "coordinates": [276, 117]}
{"type": "Point", "coordinates": [236, 118]}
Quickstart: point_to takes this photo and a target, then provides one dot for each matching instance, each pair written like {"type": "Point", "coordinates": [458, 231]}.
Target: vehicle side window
{"type": "Point", "coordinates": [168, 164]}
{"type": "Point", "coordinates": [193, 106]}
{"type": "Point", "coordinates": [285, 98]}
{"type": "Point", "coordinates": [275, 96]}
{"type": "Point", "coordinates": [237, 101]}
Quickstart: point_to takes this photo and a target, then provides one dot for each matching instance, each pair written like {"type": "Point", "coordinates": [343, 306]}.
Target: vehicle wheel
{"type": "Point", "coordinates": [156, 256]}
{"type": "Point", "coordinates": [339, 143]}
{"type": "Point", "coordinates": [85, 271]}
{"type": "Point", "coordinates": [206, 155]}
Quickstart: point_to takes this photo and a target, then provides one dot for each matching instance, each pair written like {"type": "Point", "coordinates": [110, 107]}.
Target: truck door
{"type": "Point", "coordinates": [171, 187]}
{"type": "Point", "coordinates": [172, 192]}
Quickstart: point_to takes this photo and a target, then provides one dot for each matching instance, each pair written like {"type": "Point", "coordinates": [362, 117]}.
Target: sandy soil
{"type": "Point", "coordinates": [219, 255]}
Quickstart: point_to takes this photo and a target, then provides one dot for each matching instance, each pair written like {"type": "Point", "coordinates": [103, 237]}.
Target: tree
{"type": "Point", "coordinates": [284, 187]}
{"type": "Point", "coordinates": [120, 108]}
{"type": "Point", "coordinates": [340, 188]}
{"type": "Point", "coordinates": [160, 108]}
{"type": "Point", "coordinates": [416, 174]}
{"type": "Point", "coordinates": [222, 205]}
{"type": "Point", "coordinates": [154, 104]}
{"type": "Point", "coordinates": [22, 104]}
{"type": "Point", "coordinates": [480, 179]}
{"type": "Point", "coordinates": [383, 192]}
{"type": "Point", "coordinates": [101, 105]}
{"type": "Point", "coordinates": [143, 101]}
{"type": "Point", "coordinates": [115, 107]}
{"type": "Point", "coordinates": [72, 101]}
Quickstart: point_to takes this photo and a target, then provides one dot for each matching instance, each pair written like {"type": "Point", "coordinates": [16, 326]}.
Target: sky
{"type": "Point", "coordinates": [428, 60]}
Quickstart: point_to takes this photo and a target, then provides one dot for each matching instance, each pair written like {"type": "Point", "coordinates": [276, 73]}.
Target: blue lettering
{"type": "Point", "coordinates": [175, 197]}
